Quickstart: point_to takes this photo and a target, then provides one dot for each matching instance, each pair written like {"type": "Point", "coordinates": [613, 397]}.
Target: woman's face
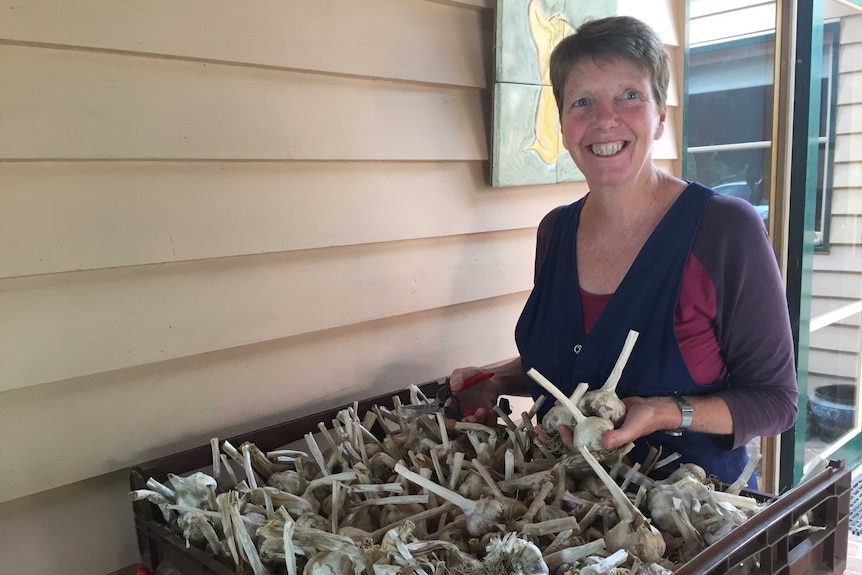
{"type": "Point", "coordinates": [610, 120]}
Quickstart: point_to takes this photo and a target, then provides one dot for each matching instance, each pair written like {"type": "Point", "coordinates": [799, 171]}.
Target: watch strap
{"type": "Point", "coordinates": [687, 415]}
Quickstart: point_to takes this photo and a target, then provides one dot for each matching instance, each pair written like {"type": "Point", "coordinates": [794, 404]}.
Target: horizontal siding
{"type": "Point", "coordinates": [377, 38]}
{"type": "Point", "coordinates": [832, 284]}
{"type": "Point", "coordinates": [850, 88]}
{"type": "Point", "coordinates": [71, 104]}
{"type": "Point", "coordinates": [848, 119]}
{"type": "Point", "coordinates": [837, 338]}
{"type": "Point", "coordinates": [847, 147]}
{"type": "Point", "coordinates": [702, 8]}
{"type": "Point", "coordinates": [847, 201]}
{"type": "Point", "coordinates": [847, 174]}
{"type": "Point", "coordinates": [89, 215]}
{"type": "Point", "coordinates": [756, 18]}
{"type": "Point", "coordinates": [841, 257]}
{"type": "Point", "coordinates": [829, 362]}
{"type": "Point", "coordinates": [851, 30]}
{"type": "Point", "coordinates": [846, 230]}
{"type": "Point", "coordinates": [474, 4]}
{"type": "Point", "coordinates": [161, 408]}
{"type": "Point", "coordinates": [850, 59]}
{"type": "Point", "coordinates": [87, 526]}
{"type": "Point", "coordinates": [821, 305]}
{"type": "Point", "coordinates": [112, 319]}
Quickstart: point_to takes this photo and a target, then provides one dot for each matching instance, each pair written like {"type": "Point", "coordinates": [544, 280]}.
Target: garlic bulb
{"type": "Point", "coordinates": [513, 556]}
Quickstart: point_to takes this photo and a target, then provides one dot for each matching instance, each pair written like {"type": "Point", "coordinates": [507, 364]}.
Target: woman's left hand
{"type": "Point", "coordinates": [644, 415]}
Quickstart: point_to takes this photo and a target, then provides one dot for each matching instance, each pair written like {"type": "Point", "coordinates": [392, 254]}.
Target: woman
{"type": "Point", "coordinates": [693, 272]}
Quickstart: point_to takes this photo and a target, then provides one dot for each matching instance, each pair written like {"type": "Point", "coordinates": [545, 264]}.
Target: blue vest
{"type": "Point", "coordinates": [550, 333]}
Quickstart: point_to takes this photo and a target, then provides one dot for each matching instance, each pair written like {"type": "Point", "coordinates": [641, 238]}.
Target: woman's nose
{"type": "Point", "coordinates": [605, 114]}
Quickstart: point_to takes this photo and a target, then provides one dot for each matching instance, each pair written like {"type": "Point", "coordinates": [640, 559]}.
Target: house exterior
{"type": "Point", "coordinates": [217, 217]}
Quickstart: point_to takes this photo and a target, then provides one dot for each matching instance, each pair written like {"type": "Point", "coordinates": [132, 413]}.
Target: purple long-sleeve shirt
{"type": "Point", "coordinates": [731, 315]}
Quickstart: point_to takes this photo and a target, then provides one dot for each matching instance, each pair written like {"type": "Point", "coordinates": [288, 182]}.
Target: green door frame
{"type": "Point", "coordinates": [800, 230]}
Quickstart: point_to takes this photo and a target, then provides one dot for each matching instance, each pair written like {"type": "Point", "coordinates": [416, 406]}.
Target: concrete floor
{"type": "Point", "coordinates": [854, 556]}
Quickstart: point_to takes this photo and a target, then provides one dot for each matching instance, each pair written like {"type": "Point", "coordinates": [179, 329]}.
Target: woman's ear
{"type": "Point", "coordinates": [662, 116]}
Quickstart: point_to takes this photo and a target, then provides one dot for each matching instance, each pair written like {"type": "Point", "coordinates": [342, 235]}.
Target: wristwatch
{"type": "Point", "coordinates": [687, 414]}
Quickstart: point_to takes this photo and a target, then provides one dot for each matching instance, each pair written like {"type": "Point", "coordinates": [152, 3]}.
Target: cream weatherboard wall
{"type": "Point", "coordinates": [217, 216]}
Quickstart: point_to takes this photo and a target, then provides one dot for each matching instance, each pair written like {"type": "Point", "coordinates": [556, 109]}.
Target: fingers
{"type": "Point", "coordinates": [615, 438]}
{"type": "Point", "coordinates": [567, 436]}
{"type": "Point", "coordinates": [460, 375]}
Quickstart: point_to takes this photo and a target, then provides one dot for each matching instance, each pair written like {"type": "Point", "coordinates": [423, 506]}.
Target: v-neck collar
{"type": "Point", "coordinates": [606, 324]}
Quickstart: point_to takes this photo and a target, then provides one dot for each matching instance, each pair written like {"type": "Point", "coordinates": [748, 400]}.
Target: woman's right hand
{"type": "Point", "coordinates": [481, 397]}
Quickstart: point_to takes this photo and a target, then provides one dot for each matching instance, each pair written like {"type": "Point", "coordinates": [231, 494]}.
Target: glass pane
{"type": "Point", "coordinates": [835, 342]}
{"type": "Point", "coordinates": [729, 116]}
{"type": "Point", "coordinates": [729, 108]}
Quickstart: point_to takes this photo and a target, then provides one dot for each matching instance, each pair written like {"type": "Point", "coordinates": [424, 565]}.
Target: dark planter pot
{"type": "Point", "coordinates": [831, 409]}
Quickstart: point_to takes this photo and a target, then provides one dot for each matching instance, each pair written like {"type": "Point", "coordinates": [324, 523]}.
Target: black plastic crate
{"type": "Point", "coordinates": [765, 538]}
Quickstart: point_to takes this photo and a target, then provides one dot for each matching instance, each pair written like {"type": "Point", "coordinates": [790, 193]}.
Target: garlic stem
{"type": "Point", "coordinates": [376, 488]}
{"type": "Point", "coordinates": [438, 469]}
{"type": "Point", "coordinates": [444, 435]}
{"type": "Point", "coordinates": [396, 500]}
{"type": "Point", "coordinates": [607, 564]}
{"type": "Point", "coordinates": [228, 468]}
{"type": "Point", "coordinates": [617, 372]}
{"type": "Point", "coordinates": [246, 463]}
{"type": "Point", "coordinates": [336, 503]}
{"type": "Point", "coordinates": [421, 516]}
{"type": "Point", "coordinates": [328, 437]}
{"type": "Point", "coordinates": [457, 463]}
{"type": "Point", "coordinates": [551, 526]}
{"type": "Point", "coordinates": [316, 453]}
{"type": "Point", "coordinates": [287, 535]}
{"type": "Point", "coordinates": [287, 453]}
{"type": "Point", "coordinates": [483, 471]}
{"type": "Point", "coordinates": [572, 554]}
{"type": "Point", "coordinates": [537, 405]}
{"type": "Point", "coordinates": [625, 507]}
{"type": "Point", "coordinates": [321, 481]}
{"type": "Point", "coordinates": [579, 392]}
{"type": "Point", "coordinates": [559, 395]}
{"type": "Point", "coordinates": [231, 451]}
{"type": "Point", "coordinates": [538, 502]}
{"type": "Point", "coordinates": [166, 491]}
{"type": "Point", "coordinates": [739, 501]}
{"type": "Point", "coordinates": [737, 486]}
{"type": "Point", "coordinates": [466, 505]}
{"type": "Point", "coordinates": [216, 458]}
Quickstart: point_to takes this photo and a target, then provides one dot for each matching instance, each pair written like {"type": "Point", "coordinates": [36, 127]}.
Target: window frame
{"type": "Point", "coordinates": [831, 31]}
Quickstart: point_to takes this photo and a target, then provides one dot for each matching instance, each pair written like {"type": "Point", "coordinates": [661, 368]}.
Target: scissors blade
{"type": "Point", "coordinates": [421, 409]}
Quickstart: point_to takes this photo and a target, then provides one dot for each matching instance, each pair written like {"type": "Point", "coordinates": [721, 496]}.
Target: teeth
{"type": "Point", "coordinates": [607, 149]}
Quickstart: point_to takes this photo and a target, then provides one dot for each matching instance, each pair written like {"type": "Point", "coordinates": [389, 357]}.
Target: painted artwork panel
{"type": "Point", "coordinates": [520, 155]}
{"type": "Point", "coordinates": [526, 138]}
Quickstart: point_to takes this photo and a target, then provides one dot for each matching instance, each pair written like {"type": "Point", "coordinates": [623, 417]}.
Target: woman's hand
{"type": "Point", "coordinates": [481, 397]}
{"type": "Point", "coordinates": [644, 415]}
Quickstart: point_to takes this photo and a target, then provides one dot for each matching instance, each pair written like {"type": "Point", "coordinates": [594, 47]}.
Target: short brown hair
{"type": "Point", "coordinates": [608, 39]}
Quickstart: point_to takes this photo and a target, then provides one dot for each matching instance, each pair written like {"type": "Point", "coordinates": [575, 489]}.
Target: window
{"type": "Point", "coordinates": [730, 124]}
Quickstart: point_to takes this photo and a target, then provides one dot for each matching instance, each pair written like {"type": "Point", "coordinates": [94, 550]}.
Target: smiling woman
{"type": "Point", "coordinates": [685, 267]}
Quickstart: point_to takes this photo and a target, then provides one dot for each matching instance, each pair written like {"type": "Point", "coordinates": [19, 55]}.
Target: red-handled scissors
{"type": "Point", "coordinates": [453, 409]}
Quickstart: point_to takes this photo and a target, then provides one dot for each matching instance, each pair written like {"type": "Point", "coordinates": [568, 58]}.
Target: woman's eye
{"type": "Point", "coordinates": [579, 103]}
{"type": "Point", "coordinates": [631, 95]}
